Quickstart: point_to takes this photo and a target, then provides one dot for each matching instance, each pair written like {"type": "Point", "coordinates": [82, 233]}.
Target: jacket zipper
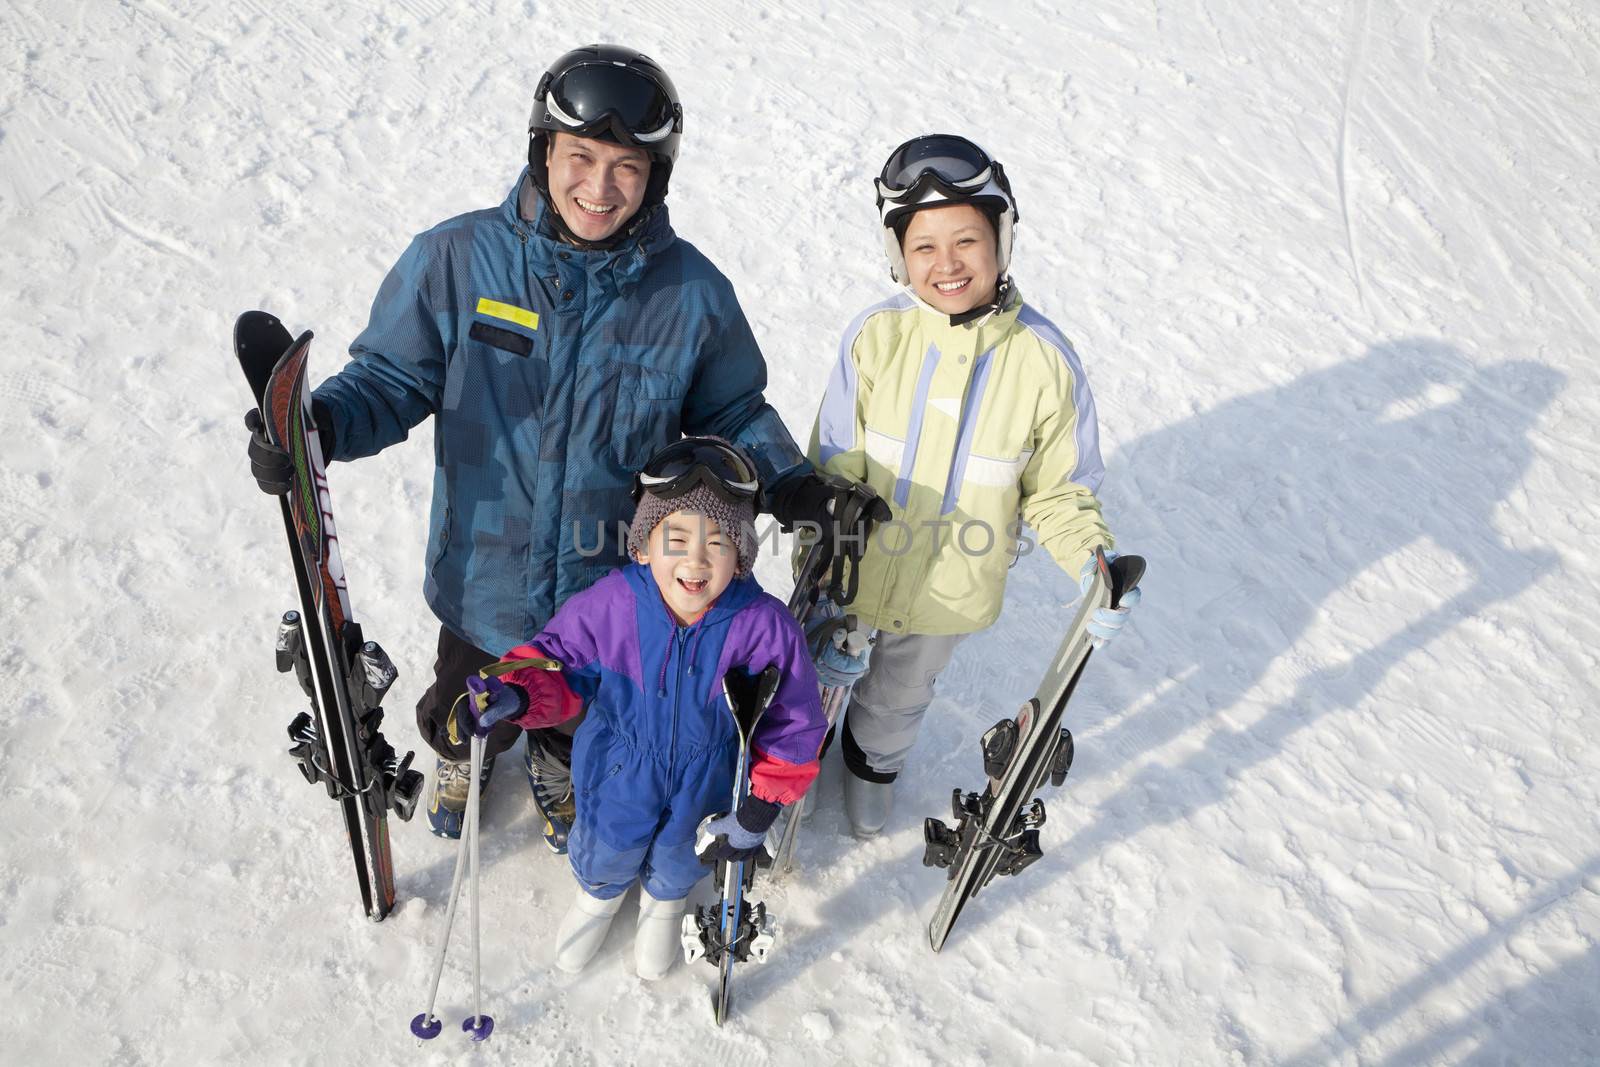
{"type": "Point", "coordinates": [681, 635]}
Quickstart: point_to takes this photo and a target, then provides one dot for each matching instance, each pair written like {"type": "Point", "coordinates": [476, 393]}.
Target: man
{"type": "Point", "coordinates": [558, 340]}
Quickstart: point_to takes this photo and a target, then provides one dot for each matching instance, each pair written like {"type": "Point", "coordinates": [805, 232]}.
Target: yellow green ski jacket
{"type": "Point", "coordinates": [964, 430]}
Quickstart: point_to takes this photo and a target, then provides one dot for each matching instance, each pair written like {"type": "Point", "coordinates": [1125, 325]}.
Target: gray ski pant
{"type": "Point", "coordinates": [887, 704]}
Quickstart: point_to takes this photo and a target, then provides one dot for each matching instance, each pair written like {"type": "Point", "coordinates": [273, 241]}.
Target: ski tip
{"type": "Point", "coordinates": [425, 1027]}
{"type": "Point", "coordinates": [255, 319]}
{"type": "Point", "coordinates": [478, 1027]}
{"type": "Point", "coordinates": [1125, 572]}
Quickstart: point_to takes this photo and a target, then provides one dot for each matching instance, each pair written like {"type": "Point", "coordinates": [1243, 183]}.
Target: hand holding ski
{"type": "Point", "coordinates": [1107, 622]}
{"type": "Point", "coordinates": [726, 839]}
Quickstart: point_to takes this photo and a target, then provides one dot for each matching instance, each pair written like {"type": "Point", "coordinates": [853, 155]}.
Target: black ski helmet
{"type": "Point", "coordinates": [937, 169]}
{"type": "Point", "coordinates": [609, 93]}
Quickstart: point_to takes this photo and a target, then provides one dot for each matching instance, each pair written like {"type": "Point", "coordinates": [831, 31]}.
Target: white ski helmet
{"type": "Point", "coordinates": [937, 169]}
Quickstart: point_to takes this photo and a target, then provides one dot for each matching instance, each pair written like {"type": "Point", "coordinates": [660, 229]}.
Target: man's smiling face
{"type": "Point", "coordinates": [595, 186]}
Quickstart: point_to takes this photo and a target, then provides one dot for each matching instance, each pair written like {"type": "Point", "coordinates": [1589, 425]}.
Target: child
{"type": "Point", "coordinates": [965, 409]}
{"type": "Point", "coordinates": [645, 650]}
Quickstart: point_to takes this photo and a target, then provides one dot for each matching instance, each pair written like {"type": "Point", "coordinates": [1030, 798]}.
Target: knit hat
{"type": "Point", "coordinates": [734, 520]}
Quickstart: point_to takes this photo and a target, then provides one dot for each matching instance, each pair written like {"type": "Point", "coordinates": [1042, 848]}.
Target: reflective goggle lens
{"type": "Point", "coordinates": [685, 457]}
{"type": "Point", "coordinates": [588, 93]}
{"type": "Point", "coordinates": [954, 160]}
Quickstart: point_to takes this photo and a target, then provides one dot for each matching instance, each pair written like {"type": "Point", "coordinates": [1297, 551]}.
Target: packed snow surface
{"type": "Point", "coordinates": [1332, 272]}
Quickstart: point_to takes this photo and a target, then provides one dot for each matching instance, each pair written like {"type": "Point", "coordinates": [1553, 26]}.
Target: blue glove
{"type": "Point", "coordinates": [1106, 623]}
{"type": "Point", "coordinates": [839, 647]}
{"type": "Point", "coordinates": [730, 838]}
{"type": "Point", "coordinates": [490, 702]}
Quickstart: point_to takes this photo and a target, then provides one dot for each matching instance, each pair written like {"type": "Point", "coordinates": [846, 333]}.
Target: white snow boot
{"type": "Point", "coordinates": [659, 939]}
{"type": "Point", "coordinates": [867, 804]}
{"type": "Point", "coordinates": [583, 930]}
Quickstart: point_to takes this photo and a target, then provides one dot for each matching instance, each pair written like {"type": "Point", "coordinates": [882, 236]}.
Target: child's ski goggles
{"type": "Point", "coordinates": [682, 465]}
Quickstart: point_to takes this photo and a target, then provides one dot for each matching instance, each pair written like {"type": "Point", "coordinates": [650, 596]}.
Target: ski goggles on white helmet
{"type": "Point", "coordinates": [709, 461]}
{"type": "Point", "coordinates": [591, 99]}
{"type": "Point", "coordinates": [935, 170]}
{"type": "Point", "coordinates": [939, 168]}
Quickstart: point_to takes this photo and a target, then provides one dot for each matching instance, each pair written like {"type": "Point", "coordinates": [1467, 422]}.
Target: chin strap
{"type": "Point", "coordinates": [1002, 299]}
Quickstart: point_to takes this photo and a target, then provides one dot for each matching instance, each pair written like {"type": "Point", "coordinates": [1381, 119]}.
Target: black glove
{"type": "Point", "coordinates": [738, 837]}
{"type": "Point", "coordinates": [271, 465]}
{"type": "Point", "coordinates": [845, 512]}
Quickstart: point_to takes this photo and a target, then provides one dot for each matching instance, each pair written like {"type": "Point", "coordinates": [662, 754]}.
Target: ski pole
{"type": "Point", "coordinates": [427, 1026]}
{"type": "Point", "coordinates": [479, 1026]}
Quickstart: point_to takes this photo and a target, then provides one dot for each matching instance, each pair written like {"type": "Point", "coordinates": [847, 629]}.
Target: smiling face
{"type": "Point", "coordinates": [951, 256]}
{"type": "Point", "coordinates": [692, 562]}
{"type": "Point", "coordinates": [595, 186]}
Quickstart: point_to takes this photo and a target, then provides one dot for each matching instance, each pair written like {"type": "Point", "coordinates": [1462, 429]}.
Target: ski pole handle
{"type": "Point", "coordinates": [537, 663]}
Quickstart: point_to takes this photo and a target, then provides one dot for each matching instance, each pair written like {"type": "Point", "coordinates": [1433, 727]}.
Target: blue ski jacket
{"type": "Point", "coordinates": [655, 753]}
{"type": "Point", "coordinates": [552, 373]}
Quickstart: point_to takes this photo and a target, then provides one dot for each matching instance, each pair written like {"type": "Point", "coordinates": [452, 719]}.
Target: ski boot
{"type": "Point", "coordinates": [447, 808]}
{"type": "Point", "coordinates": [656, 939]}
{"type": "Point", "coordinates": [867, 804]}
{"type": "Point", "coordinates": [583, 930]}
{"type": "Point", "coordinates": [548, 761]}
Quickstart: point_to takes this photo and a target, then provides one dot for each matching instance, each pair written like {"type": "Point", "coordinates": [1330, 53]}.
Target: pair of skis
{"type": "Point", "coordinates": [734, 929]}
{"type": "Point", "coordinates": [338, 743]}
{"type": "Point", "coordinates": [997, 831]}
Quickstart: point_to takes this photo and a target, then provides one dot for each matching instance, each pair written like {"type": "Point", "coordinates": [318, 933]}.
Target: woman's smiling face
{"type": "Point", "coordinates": [952, 258]}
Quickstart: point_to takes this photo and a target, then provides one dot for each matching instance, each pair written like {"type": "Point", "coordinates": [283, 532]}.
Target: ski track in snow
{"type": "Point", "coordinates": [1336, 791]}
{"type": "Point", "coordinates": [1351, 81]}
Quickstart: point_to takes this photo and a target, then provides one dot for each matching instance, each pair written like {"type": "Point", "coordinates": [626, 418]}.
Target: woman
{"type": "Point", "coordinates": [967, 410]}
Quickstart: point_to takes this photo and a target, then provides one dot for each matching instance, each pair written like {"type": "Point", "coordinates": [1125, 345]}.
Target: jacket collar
{"type": "Point", "coordinates": [990, 324]}
{"type": "Point", "coordinates": [738, 595]}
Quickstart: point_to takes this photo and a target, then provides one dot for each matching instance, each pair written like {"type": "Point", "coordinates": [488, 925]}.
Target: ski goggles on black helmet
{"type": "Point", "coordinates": [939, 168]}
{"type": "Point", "coordinates": [721, 467]}
{"type": "Point", "coordinates": [592, 99]}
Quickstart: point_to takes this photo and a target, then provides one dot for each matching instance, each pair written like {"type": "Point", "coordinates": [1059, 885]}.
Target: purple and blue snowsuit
{"type": "Point", "coordinates": [655, 754]}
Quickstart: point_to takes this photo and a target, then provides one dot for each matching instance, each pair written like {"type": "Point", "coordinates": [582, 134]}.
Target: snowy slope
{"type": "Point", "coordinates": [1332, 270]}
